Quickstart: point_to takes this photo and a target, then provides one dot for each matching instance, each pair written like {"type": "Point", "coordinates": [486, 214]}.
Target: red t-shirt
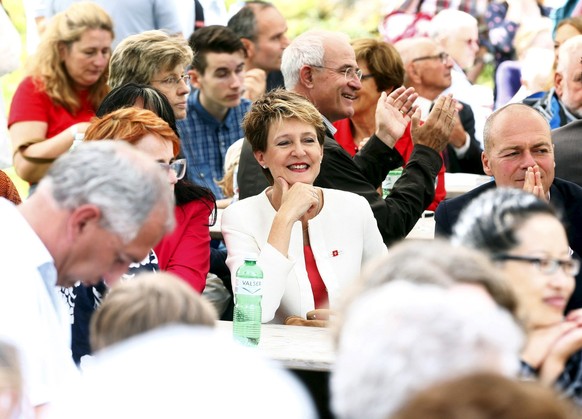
{"type": "Point", "coordinates": [31, 104]}
{"type": "Point", "coordinates": [404, 146]}
{"type": "Point", "coordinates": [318, 288]}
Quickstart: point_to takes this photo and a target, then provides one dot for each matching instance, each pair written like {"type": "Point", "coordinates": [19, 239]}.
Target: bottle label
{"type": "Point", "coordinates": [390, 180]}
{"type": "Point", "coordinates": [249, 286]}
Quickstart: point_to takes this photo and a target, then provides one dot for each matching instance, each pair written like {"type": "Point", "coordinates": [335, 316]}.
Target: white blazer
{"type": "Point", "coordinates": [343, 236]}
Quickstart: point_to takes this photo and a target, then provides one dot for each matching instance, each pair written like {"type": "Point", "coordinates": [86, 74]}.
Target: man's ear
{"type": "Point", "coordinates": [486, 165]}
{"type": "Point", "coordinates": [83, 219]}
{"type": "Point", "coordinates": [249, 47]}
{"type": "Point", "coordinates": [414, 75]}
{"type": "Point", "coordinates": [306, 76]}
{"type": "Point", "coordinates": [194, 78]}
{"type": "Point", "coordinates": [558, 84]}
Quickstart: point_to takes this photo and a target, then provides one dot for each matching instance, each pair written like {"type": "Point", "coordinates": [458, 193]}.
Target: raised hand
{"type": "Point", "coordinates": [436, 130]}
{"type": "Point", "coordinates": [255, 83]}
{"type": "Point", "coordinates": [565, 346]}
{"type": "Point", "coordinates": [533, 183]}
{"type": "Point", "coordinates": [393, 113]}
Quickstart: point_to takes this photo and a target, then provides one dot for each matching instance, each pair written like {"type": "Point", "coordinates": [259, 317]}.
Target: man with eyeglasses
{"type": "Point", "coordinates": [457, 33]}
{"type": "Point", "coordinates": [216, 106]}
{"type": "Point", "coordinates": [519, 154]}
{"type": "Point", "coordinates": [322, 66]}
{"type": "Point", "coordinates": [427, 68]}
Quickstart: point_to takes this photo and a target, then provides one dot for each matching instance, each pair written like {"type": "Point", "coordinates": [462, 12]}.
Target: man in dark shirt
{"type": "Point", "coordinates": [519, 154]}
{"type": "Point", "coordinates": [322, 67]}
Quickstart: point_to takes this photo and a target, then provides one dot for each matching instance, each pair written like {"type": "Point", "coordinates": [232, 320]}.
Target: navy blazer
{"type": "Point", "coordinates": [565, 196]}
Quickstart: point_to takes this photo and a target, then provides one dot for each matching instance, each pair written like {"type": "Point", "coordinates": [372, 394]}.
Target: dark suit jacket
{"type": "Point", "coordinates": [363, 174]}
{"type": "Point", "coordinates": [471, 161]}
{"type": "Point", "coordinates": [568, 151]}
{"type": "Point", "coordinates": [565, 196]}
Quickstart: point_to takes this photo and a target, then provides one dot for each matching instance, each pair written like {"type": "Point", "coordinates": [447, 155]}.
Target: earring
{"type": "Point", "coordinates": [264, 166]}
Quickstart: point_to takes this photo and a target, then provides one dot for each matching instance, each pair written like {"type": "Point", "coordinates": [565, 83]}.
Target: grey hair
{"type": "Point", "coordinates": [402, 337]}
{"type": "Point", "coordinates": [490, 222]}
{"type": "Point", "coordinates": [125, 185]}
{"type": "Point", "coordinates": [567, 52]}
{"type": "Point", "coordinates": [447, 22]}
{"type": "Point", "coordinates": [434, 262]}
{"type": "Point", "coordinates": [307, 49]}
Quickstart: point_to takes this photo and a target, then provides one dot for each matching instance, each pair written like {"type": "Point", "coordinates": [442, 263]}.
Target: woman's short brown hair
{"type": "Point", "coordinates": [383, 61]}
{"type": "Point", "coordinates": [274, 107]}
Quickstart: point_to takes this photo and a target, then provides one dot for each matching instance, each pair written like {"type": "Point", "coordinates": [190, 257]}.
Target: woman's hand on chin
{"type": "Point", "coordinates": [541, 340]}
{"type": "Point", "coordinates": [565, 346]}
{"type": "Point", "coordinates": [298, 200]}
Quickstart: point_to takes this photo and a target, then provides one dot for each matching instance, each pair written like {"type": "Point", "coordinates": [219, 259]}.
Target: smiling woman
{"type": "Point", "coordinates": [67, 79]}
{"type": "Point", "coordinates": [525, 237]}
{"type": "Point", "coordinates": [307, 250]}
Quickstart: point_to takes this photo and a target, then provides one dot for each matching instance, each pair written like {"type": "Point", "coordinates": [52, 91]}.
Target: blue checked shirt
{"type": "Point", "coordinates": [205, 141]}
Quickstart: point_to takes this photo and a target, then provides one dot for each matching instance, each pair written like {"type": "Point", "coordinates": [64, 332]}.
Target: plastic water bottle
{"type": "Point", "coordinates": [248, 295]}
{"type": "Point", "coordinates": [390, 180]}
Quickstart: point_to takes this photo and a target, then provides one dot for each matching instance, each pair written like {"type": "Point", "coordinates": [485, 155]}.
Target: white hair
{"type": "Point", "coordinates": [401, 337]}
{"type": "Point", "coordinates": [307, 49]}
{"type": "Point", "coordinates": [567, 53]}
{"type": "Point", "coordinates": [447, 22]}
{"type": "Point", "coordinates": [124, 183]}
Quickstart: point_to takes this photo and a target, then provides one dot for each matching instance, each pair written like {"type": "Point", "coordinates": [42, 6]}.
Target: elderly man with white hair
{"type": "Point", "coordinates": [562, 104]}
{"type": "Point", "coordinates": [458, 34]}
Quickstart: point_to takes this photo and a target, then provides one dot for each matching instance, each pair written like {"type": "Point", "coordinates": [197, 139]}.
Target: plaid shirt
{"type": "Point", "coordinates": [205, 141]}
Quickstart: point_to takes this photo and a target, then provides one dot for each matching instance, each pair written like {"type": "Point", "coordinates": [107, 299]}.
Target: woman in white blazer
{"type": "Point", "coordinates": [311, 241]}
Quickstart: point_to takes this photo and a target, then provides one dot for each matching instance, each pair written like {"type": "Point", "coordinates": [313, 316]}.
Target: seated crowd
{"type": "Point", "coordinates": [158, 162]}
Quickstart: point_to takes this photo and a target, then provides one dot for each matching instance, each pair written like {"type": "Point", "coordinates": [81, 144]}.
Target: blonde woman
{"type": "Point", "coordinates": [66, 82]}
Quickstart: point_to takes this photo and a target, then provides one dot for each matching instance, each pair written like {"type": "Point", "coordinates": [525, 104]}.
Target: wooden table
{"type": "Point", "coordinates": [296, 347]}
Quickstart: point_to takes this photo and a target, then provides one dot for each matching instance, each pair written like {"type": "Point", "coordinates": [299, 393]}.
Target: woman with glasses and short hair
{"type": "Point", "coordinates": [525, 237]}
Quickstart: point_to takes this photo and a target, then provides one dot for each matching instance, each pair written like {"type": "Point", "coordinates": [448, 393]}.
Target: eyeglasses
{"type": "Point", "coordinates": [173, 80]}
{"type": "Point", "coordinates": [546, 266]}
{"type": "Point", "coordinates": [443, 57]}
{"type": "Point", "coordinates": [177, 166]}
{"type": "Point", "coordinates": [349, 73]}
{"type": "Point", "coordinates": [366, 76]}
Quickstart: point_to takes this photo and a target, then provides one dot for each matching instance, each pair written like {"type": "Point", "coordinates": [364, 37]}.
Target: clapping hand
{"type": "Point", "coordinates": [393, 114]}
{"type": "Point", "coordinates": [436, 130]}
